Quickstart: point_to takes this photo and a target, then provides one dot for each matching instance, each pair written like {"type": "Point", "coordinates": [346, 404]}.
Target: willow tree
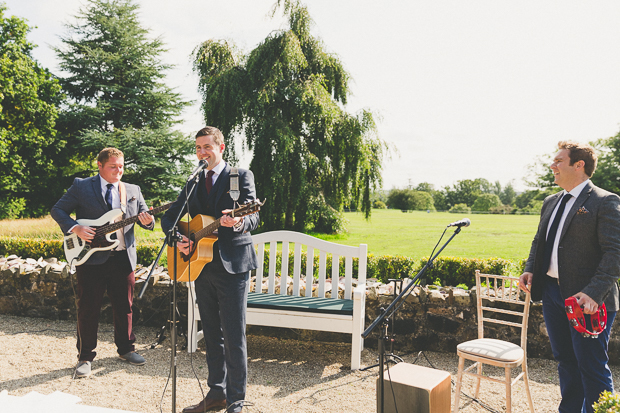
{"type": "Point", "coordinates": [311, 158]}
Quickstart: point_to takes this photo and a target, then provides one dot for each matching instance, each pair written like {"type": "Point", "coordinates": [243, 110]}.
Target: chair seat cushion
{"type": "Point", "coordinates": [303, 304]}
{"type": "Point", "coordinates": [493, 349]}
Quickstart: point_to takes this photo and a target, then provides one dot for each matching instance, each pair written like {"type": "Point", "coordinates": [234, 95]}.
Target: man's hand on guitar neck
{"type": "Point", "coordinates": [228, 221]}
{"type": "Point", "coordinates": [84, 232]}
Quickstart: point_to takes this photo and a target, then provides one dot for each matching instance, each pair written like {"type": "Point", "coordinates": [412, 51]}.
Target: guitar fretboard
{"type": "Point", "coordinates": [106, 229]}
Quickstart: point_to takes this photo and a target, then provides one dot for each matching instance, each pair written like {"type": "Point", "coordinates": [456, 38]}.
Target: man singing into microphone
{"type": "Point", "coordinates": [222, 286]}
{"type": "Point", "coordinates": [576, 252]}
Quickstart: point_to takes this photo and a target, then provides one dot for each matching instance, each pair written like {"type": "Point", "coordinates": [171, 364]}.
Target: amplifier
{"type": "Point", "coordinates": [416, 389]}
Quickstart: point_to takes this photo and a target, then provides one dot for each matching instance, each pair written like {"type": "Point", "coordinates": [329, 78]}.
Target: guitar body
{"type": "Point", "coordinates": [189, 268]}
{"type": "Point", "coordinates": [77, 251]}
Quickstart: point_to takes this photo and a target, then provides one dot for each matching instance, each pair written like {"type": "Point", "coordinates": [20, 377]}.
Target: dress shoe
{"type": "Point", "coordinates": [207, 405]}
{"type": "Point", "coordinates": [133, 358]}
{"type": "Point", "coordinates": [83, 369]}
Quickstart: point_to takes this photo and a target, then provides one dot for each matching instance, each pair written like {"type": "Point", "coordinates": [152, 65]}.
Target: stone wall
{"type": "Point", "coordinates": [431, 318]}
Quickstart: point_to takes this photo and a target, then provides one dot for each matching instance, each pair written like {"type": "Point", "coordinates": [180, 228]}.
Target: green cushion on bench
{"type": "Point", "coordinates": [304, 304]}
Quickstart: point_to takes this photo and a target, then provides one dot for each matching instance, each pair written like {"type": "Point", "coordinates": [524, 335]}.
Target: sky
{"type": "Point", "coordinates": [463, 89]}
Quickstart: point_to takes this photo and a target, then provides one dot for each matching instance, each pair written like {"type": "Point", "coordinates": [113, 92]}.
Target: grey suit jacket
{"type": "Point", "coordinates": [236, 248]}
{"type": "Point", "coordinates": [588, 249]}
{"type": "Point", "coordinates": [85, 198]}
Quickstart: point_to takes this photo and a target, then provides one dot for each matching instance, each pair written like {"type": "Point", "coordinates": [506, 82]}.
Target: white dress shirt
{"type": "Point", "coordinates": [217, 170]}
{"type": "Point", "coordinates": [575, 192]}
{"type": "Point", "coordinates": [116, 204]}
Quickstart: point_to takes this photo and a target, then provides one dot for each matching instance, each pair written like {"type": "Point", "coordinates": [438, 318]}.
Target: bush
{"type": "Point", "coordinates": [379, 205]}
{"type": "Point", "coordinates": [12, 208]}
{"type": "Point", "coordinates": [45, 248]}
{"type": "Point", "coordinates": [485, 202]}
{"type": "Point", "coordinates": [503, 209]}
{"type": "Point", "coordinates": [446, 271]}
{"type": "Point", "coordinates": [460, 208]}
{"type": "Point", "coordinates": [607, 403]}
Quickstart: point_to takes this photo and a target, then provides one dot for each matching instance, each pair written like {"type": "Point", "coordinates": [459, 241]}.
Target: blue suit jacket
{"type": "Point", "coordinates": [85, 198]}
{"type": "Point", "coordinates": [236, 248]}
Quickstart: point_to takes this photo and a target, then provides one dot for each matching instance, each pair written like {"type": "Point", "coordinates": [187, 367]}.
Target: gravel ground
{"type": "Point", "coordinates": [284, 375]}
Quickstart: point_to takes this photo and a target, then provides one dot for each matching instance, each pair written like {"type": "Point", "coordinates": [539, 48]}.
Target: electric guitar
{"type": "Point", "coordinates": [78, 251]}
{"type": "Point", "coordinates": [201, 230]}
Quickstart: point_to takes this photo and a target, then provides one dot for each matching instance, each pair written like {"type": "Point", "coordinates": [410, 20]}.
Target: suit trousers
{"type": "Point", "coordinates": [115, 276]}
{"type": "Point", "coordinates": [222, 302]}
{"type": "Point", "coordinates": [582, 361]}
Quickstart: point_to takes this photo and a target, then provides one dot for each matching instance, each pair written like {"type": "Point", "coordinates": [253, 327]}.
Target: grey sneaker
{"type": "Point", "coordinates": [133, 358]}
{"type": "Point", "coordinates": [82, 369]}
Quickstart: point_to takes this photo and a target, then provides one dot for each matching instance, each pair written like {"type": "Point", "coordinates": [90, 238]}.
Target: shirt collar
{"type": "Point", "coordinates": [104, 183]}
{"type": "Point", "coordinates": [217, 169]}
{"type": "Point", "coordinates": [576, 191]}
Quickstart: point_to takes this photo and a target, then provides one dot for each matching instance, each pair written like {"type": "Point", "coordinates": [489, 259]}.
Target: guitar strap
{"type": "Point", "coordinates": [123, 196]}
{"type": "Point", "coordinates": [234, 185]}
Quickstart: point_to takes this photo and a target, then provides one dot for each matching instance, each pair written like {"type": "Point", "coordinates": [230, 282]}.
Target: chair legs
{"type": "Point", "coordinates": [508, 391]}
{"type": "Point", "coordinates": [457, 391]}
{"type": "Point", "coordinates": [508, 384]}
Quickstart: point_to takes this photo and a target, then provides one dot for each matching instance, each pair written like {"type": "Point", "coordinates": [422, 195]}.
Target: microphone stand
{"type": "Point", "coordinates": [390, 310]}
{"type": "Point", "coordinates": [171, 239]}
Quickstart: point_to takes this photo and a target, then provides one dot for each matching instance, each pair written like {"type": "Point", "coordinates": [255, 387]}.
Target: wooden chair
{"type": "Point", "coordinates": [497, 289]}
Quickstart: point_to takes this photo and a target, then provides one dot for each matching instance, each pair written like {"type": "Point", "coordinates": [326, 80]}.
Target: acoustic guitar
{"type": "Point", "coordinates": [78, 251]}
{"type": "Point", "coordinates": [201, 230]}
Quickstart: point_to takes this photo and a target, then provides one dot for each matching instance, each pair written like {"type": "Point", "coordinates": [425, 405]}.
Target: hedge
{"type": "Point", "coordinates": [45, 248]}
{"type": "Point", "coordinates": [445, 270]}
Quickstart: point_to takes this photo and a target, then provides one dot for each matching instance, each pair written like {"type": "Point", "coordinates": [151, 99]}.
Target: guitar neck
{"type": "Point", "coordinates": [239, 212]}
{"type": "Point", "coordinates": [106, 229]}
{"type": "Point", "coordinates": [208, 230]}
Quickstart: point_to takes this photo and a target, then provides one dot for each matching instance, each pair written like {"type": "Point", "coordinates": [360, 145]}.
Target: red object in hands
{"type": "Point", "coordinates": [577, 319]}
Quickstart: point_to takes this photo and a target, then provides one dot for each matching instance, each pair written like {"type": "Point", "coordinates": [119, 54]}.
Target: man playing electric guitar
{"type": "Point", "coordinates": [222, 286]}
{"type": "Point", "coordinates": [108, 271]}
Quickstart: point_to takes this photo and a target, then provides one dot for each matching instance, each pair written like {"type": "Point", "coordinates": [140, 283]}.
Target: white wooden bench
{"type": "Point", "coordinates": [296, 306]}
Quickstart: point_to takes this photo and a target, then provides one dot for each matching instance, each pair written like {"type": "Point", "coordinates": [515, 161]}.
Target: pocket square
{"type": "Point", "coordinates": [582, 211]}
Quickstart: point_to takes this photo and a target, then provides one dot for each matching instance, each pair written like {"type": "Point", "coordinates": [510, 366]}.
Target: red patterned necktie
{"type": "Point", "coordinates": [209, 181]}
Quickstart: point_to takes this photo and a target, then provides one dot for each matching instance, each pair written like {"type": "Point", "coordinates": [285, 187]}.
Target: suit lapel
{"type": "Point", "coordinates": [581, 199]}
{"type": "Point", "coordinates": [221, 183]}
{"type": "Point", "coordinates": [96, 184]}
{"type": "Point", "coordinates": [547, 214]}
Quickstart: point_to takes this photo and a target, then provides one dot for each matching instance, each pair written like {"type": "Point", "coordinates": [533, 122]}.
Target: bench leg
{"type": "Point", "coordinates": [357, 342]}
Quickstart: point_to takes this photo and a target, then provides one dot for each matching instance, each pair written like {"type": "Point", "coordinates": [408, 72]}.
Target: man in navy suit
{"type": "Point", "coordinates": [222, 286]}
{"type": "Point", "coordinates": [108, 271]}
{"type": "Point", "coordinates": [576, 252]}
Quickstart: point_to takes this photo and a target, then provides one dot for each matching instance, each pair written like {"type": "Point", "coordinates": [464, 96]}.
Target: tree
{"type": "Point", "coordinates": [466, 191]}
{"type": "Point", "coordinates": [309, 155]}
{"type": "Point", "coordinates": [28, 141]}
{"type": "Point", "coordinates": [508, 194]}
{"type": "Point", "coordinates": [439, 197]}
{"type": "Point", "coordinates": [410, 200]}
{"type": "Point", "coordinates": [485, 202]}
{"type": "Point", "coordinates": [116, 96]}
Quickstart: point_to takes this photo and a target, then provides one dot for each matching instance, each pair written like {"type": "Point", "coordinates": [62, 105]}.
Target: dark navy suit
{"type": "Point", "coordinates": [222, 286]}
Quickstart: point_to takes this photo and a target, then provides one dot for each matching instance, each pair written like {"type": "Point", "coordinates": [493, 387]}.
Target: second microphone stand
{"type": "Point", "coordinates": [389, 312]}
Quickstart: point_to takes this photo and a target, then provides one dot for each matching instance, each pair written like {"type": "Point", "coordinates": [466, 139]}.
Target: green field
{"type": "Point", "coordinates": [414, 234]}
{"type": "Point", "coordinates": [389, 232]}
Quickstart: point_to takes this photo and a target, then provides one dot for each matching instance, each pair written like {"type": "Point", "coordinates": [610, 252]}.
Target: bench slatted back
{"type": "Point", "coordinates": [337, 251]}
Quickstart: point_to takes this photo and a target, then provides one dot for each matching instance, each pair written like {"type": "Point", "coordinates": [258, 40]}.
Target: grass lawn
{"type": "Point", "coordinates": [389, 232]}
{"type": "Point", "coordinates": [414, 234]}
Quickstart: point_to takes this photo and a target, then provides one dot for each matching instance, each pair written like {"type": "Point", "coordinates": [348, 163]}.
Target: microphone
{"type": "Point", "coordinates": [201, 165]}
{"type": "Point", "coordinates": [461, 223]}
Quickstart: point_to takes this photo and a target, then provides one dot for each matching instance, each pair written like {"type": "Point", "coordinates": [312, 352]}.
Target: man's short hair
{"type": "Point", "coordinates": [107, 153]}
{"type": "Point", "coordinates": [581, 152]}
{"type": "Point", "coordinates": [218, 137]}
